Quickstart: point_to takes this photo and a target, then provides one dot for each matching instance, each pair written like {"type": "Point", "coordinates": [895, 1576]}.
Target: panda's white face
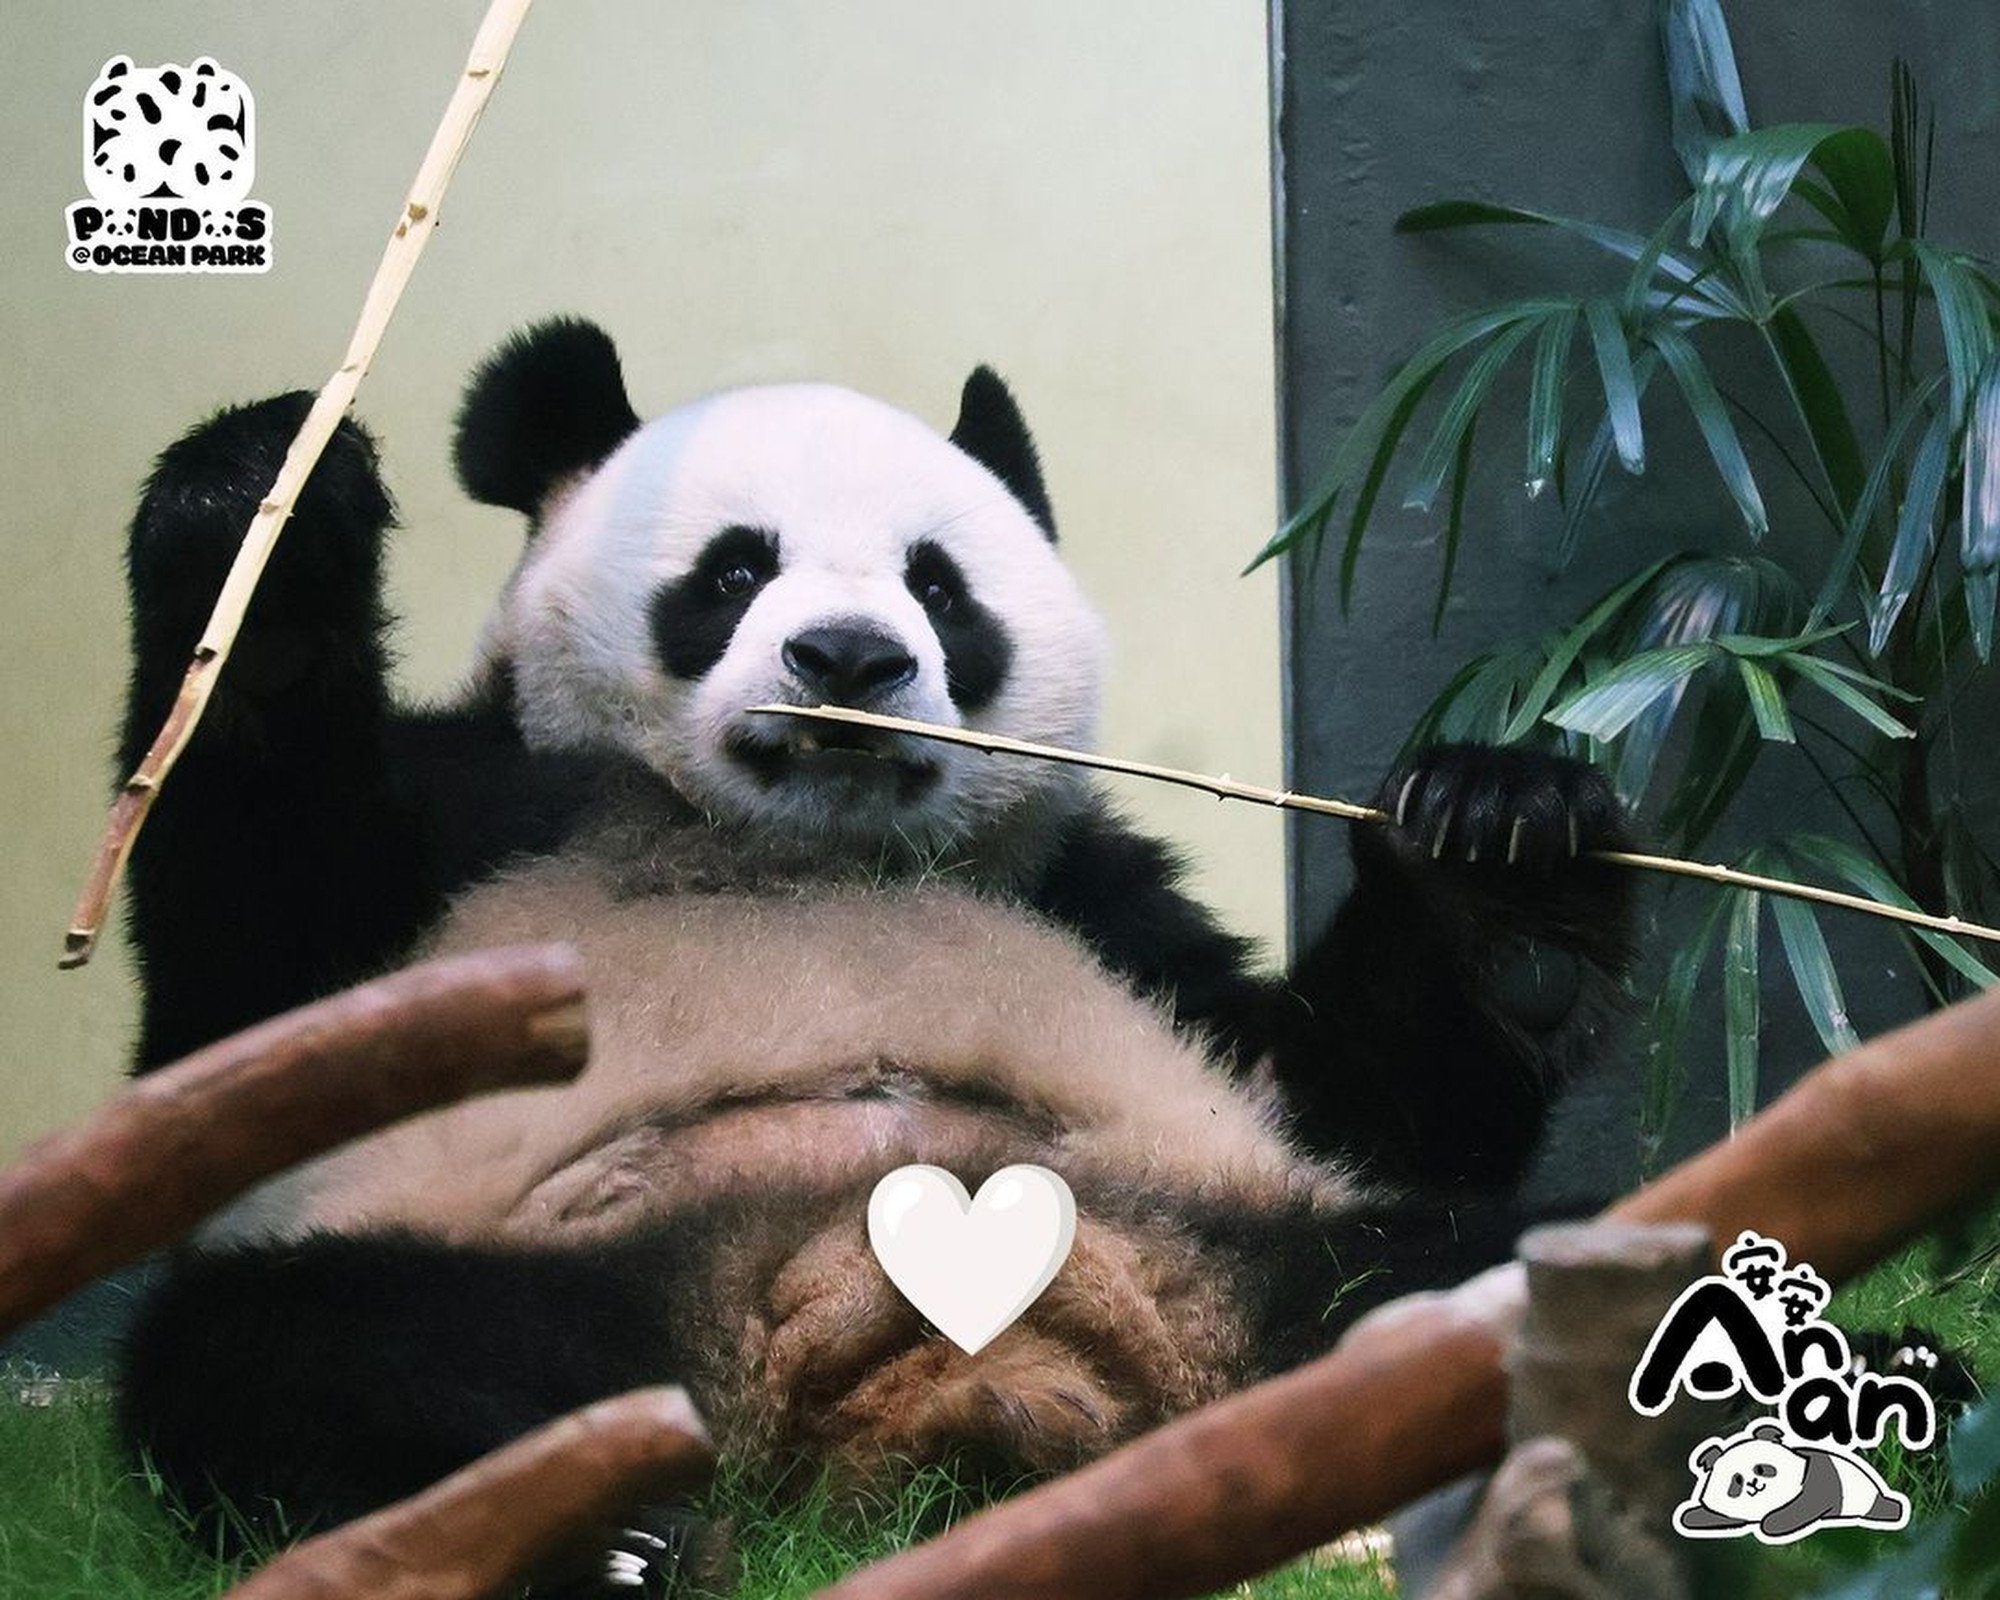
{"type": "Point", "coordinates": [802, 545]}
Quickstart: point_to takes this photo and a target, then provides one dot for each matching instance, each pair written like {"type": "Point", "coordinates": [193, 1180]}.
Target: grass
{"type": "Point", "coordinates": [78, 1523]}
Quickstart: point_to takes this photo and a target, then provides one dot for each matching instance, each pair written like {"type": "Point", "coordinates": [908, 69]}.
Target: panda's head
{"type": "Point", "coordinates": [798, 544]}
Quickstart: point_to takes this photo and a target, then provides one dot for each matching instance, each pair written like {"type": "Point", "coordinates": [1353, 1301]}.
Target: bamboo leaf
{"type": "Point", "coordinates": [1702, 84]}
{"type": "Point", "coordinates": [1666, 1064]}
{"type": "Point", "coordinates": [1459, 411]}
{"type": "Point", "coordinates": [1716, 429]}
{"type": "Point", "coordinates": [1843, 566]}
{"type": "Point", "coordinates": [1962, 320]}
{"type": "Point", "coordinates": [1861, 173]}
{"type": "Point", "coordinates": [1360, 445]}
{"type": "Point", "coordinates": [1844, 861]}
{"type": "Point", "coordinates": [1767, 701]}
{"type": "Point", "coordinates": [1723, 748]}
{"type": "Point", "coordinates": [1916, 533]}
{"type": "Point", "coordinates": [1454, 522]}
{"type": "Point", "coordinates": [1569, 645]}
{"type": "Point", "coordinates": [1747, 177]}
{"type": "Point", "coordinates": [1621, 386]}
{"type": "Point", "coordinates": [1545, 398]}
{"type": "Point", "coordinates": [1979, 528]}
{"type": "Point", "coordinates": [1740, 1006]}
{"type": "Point", "coordinates": [1812, 971]}
{"type": "Point", "coordinates": [1371, 484]}
{"type": "Point", "coordinates": [1818, 398]}
{"type": "Point", "coordinates": [1822, 676]}
{"type": "Point", "coordinates": [1603, 709]}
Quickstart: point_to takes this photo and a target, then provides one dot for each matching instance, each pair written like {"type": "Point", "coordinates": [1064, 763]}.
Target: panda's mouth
{"type": "Point", "coordinates": [833, 753]}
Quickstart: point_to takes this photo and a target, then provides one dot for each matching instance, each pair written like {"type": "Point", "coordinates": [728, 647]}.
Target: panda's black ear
{"type": "Point", "coordinates": [990, 430]}
{"type": "Point", "coordinates": [548, 403]}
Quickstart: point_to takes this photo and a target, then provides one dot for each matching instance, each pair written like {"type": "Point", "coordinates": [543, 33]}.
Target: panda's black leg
{"type": "Point", "coordinates": [1477, 963]}
{"type": "Point", "coordinates": [1306, 1278]}
{"type": "Point", "coordinates": [287, 1387]}
{"type": "Point", "coordinates": [277, 864]}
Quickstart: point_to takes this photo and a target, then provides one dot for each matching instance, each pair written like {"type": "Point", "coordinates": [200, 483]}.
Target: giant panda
{"type": "Point", "coordinates": [813, 956]}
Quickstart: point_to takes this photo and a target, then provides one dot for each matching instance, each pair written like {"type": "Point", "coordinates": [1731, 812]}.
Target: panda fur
{"type": "Point", "coordinates": [812, 958]}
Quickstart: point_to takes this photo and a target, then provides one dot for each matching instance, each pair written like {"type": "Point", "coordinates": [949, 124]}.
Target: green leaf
{"type": "Point", "coordinates": [1740, 1002]}
{"type": "Point", "coordinates": [1702, 85]}
{"type": "Point", "coordinates": [1812, 971]}
{"type": "Point", "coordinates": [1916, 533]}
{"type": "Point", "coordinates": [1861, 173]}
{"type": "Point", "coordinates": [1459, 411]}
{"type": "Point", "coordinates": [1845, 862]}
{"type": "Point", "coordinates": [1454, 522]}
{"type": "Point", "coordinates": [1362, 442]}
{"type": "Point", "coordinates": [1979, 527]}
{"type": "Point", "coordinates": [1962, 319]}
{"type": "Point", "coordinates": [1545, 398]}
{"type": "Point", "coordinates": [1716, 429]}
{"type": "Point", "coordinates": [1747, 177]}
{"type": "Point", "coordinates": [1720, 753]}
{"type": "Point", "coordinates": [1371, 483]}
{"type": "Point", "coordinates": [1822, 675]}
{"type": "Point", "coordinates": [1569, 646]}
{"type": "Point", "coordinates": [1621, 386]}
{"type": "Point", "coordinates": [1604, 708]}
{"type": "Point", "coordinates": [1842, 569]}
{"type": "Point", "coordinates": [1817, 396]}
{"type": "Point", "coordinates": [1767, 701]}
{"type": "Point", "coordinates": [1666, 1056]}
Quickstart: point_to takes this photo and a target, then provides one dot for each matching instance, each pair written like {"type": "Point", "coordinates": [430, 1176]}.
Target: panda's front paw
{"type": "Point", "coordinates": [204, 491]}
{"type": "Point", "coordinates": [1497, 841]}
{"type": "Point", "coordinates": [1504, 810]}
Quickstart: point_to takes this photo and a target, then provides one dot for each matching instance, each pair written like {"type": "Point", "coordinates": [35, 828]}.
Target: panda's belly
{"type": "Point", "coordinates": [808, 1040]}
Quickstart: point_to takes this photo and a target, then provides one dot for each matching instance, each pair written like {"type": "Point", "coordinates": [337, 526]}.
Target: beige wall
{"type": "Point", "coordinates": [877, 193]}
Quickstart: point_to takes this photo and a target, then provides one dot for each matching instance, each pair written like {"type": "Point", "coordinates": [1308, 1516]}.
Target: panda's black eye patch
{"type": "Point", "coordinates": [977, 651]}
{"type": "Point", "coordinates": [695, 616]}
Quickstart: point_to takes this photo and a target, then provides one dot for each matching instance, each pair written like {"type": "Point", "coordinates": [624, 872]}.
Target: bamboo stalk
{"type": "Point", "coordinates": [1862, 1155]}
{"type": "Point", "coordinates": [1228, 788]}
{"type": "Point", "coordinates": [414, 225]}
{"type": "Point", "coordinates": [148, 1166]}
{"type": "Point", "coordinates": [475, 1534]}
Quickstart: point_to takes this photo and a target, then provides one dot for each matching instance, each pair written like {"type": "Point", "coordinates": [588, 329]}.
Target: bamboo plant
{"type": "Point", "coordinates": [1881, 346]}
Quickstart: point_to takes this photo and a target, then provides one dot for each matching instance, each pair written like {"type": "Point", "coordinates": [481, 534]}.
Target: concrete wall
{"type": "Point", "coordinates": [878, 193]}
{"type": "Point", "coordinates": [1559, 105]}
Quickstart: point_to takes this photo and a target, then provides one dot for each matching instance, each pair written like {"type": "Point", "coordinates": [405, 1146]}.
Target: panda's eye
{"type": "Point", "coordinates": [735, 582]}
{"type": "Point", "coordinates": [936, 598]}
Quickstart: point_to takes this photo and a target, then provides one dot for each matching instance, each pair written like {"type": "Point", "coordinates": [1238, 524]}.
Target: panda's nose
{"type": "Point", "coordinates": [847, 664]}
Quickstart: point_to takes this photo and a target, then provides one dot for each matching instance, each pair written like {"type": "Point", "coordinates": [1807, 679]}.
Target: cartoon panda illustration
{"type": "Point", "coordinates": [814, 956]}
{"type": "Point", "coordinates": [1763, 1482]}
{"type": "Point", "coordinates": [168, 132]}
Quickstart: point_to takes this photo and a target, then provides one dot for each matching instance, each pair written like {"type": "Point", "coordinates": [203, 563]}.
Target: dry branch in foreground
{"type": "Point", "coordinates": [476, 1532]}
{"type": "Point", "coordinates": [166, 1152]}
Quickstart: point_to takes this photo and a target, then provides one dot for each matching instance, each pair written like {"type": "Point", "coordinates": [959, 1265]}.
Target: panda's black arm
{"type": "Point", "coordinates": [310, 829]}
{"type": "Point", "coordinates": [1474, 970]}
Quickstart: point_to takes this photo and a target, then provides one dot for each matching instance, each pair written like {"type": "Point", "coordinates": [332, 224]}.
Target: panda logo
{"type": "Point", "coordinates": [1762, 1483]}
{"type": "Point", "coordinates": [168, 133]}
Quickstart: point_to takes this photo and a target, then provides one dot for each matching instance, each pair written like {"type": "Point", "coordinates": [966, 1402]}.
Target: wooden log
{"type": "Point", "coordinates": [145, 1168]}
{"type": "Point", "coordinates": [476, 1532]}
{"type": "Point", "coordinates": [1861, 1156]}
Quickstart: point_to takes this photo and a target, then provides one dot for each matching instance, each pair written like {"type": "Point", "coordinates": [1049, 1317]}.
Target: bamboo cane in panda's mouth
{"type": "Point", "coordinates": [1228, 788]}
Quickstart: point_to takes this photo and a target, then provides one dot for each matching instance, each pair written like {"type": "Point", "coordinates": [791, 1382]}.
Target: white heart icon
{"type": "Point", "coordinates": [971, 1265]}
